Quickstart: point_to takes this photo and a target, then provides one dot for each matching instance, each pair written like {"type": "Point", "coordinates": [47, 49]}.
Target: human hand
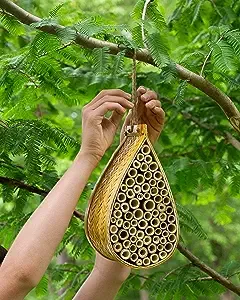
{"type": "Point", "coordinates": [98, 131]}
{"type": "Point", "coordinates": [149, 112]}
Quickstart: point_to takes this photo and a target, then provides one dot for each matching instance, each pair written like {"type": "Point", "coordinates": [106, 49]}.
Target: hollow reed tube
{"type": "Point", "coordinates": [138, 214]}
{"type": "Point", "coordinates": [169, 210]}
{"type": "Point", "coordinates": [156, 239]}
{"type": "Point", "coordinates": [148, 159]}
{"type": "Point", "coordinates": [145, 150]}
{"type": "Point", "coordinates": [158, 198]}
{"type": "Point", "coordinates": [132, 230]}
{"type": "Point", "coordinates": [117, 247]}
{"type": "Point", "coordinates": [121, 197]}
{"type": "Point", "coordinates": [134, 203]}
{"type": "Point", "coordinates": [165, 233]}
{"type": "Point", "coordinates": [145, 187]}
{"type": "Point", "coordinates": [142, 252]}
{"type": "Point", "coordinates": [137, 189]}
{"type": "Point", "coordinates": [163, 240]}
{"type": "Point", "coordinates": [117, 214]}
{"type": "Point", "coordinates": [160, 247]}
{"type": "Point", "coordinates": [134, 223]}
{"type": "Point", "coordinates": [140, 196]}
{"type": "Point", "coordinates": [172, 228]}
{"type": "Point", "coordinates": [166, 200]}
{"type": "Point", "coordinates": [123, 187]}
{"type": "Point", "coordinates": [126, 244]}
{"type": "Point", "coordinates": [152, 182]}
{"type": "Point", "coordinates": [153, 166]}
{"type": "Point", "coordinates": [147, 215]}
{"type": "Point", "coordinates": [162, 255]}
{"type": "Point", "coordinates": [139, 243]}
{"type": "Point", "coordinates": [130, 193]}
{"type": "Point", "coordinates": [172, 238]}
{"type": "Point", "coordinates": [136, 164]}
{"type": "Point", "coordinates": [155, 222]}
{"type": "Point", "coordinates": [161, 184]}
{"type": "Point", "coordinates": [126, 225]}
{"type": "Point", "coordinates": [113, 220]}
{"type": "Point", "coordinates": [142, 224]}
{"type": "Point", "coordinates": [164, 192]}
{"type": "Point", "coordinates": [123, 234]}
{"type": "Point", "coordinates": [113, 229]}
{"type": "Point", "coordinates": [171, 219]}
{"type": "Point", "coordinates": [132, 172]}
{"type": "Point", "coordinates": [119, 222]}
{"type": "Point", "coordinates": [114, 238]}
{"type": "Point", "coordinates": [148, 175]}
{"type": "Point", "coordinates": [117, 205]}
{"type": "Point", "coordinates": [144, 167]}
{"type": "Point", "coordinates": [140, 179]}
{"type": "Point", "coordinates": [162, 217]}
{"type": "Point", "coordinates": [140, 234]}
{"type": "Point", "coordinates": [157, 175]}
{"type": "Point", "coordinates": [134, 257]}
{"type": "Point", "coordinates": [154, 191]}
{"type": "Point", "coordinates": [163, 225]}
{"type": "Point", "coordinates": [146, 196]}
{"type": "Point", "coordinates": [124, 207]}
{"type": "Point", "coordinates": [149, 230]}
{"type": "Point", "coordinates": [130, 182]}
{"type": "Point", "coordinates": [125, 254]}
{"type": "Point", "coordinates": [158, 231]}
{"type": "Point", "coordinates": [168, 247]}
{"type": "Point", "coordinates": [154, 258]}
{"type": "Point", "coordinates": [139, 262]}
{"type": "Point", "coordinates": [133, 239]}
{"type": "Point", "coordinates": [149, 205]}
{"type": "Point", "coordinates": [128, 216]}
{"type": "Point", "coordinates": [146, 261]}
{"type": "Point", "coordinates": [152, 248]}
{"type": "Point", "coordinates": [133, 248]}
{"type": "Point", "coordinates": [147, 240]}
{"type": "Point", "coordinates": [140, 157]}
{"type": "Point", "coordinates": [161, 207]}
{"type": "Point", "coordinates": [155, 213]}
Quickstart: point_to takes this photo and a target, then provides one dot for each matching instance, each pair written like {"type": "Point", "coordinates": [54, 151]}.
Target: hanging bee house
{"type": "Point", "coordinates": [132, 216]}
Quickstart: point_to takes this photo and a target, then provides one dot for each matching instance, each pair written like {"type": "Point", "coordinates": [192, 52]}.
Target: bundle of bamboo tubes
{"type": "Point", "coordinates": [132, 216]}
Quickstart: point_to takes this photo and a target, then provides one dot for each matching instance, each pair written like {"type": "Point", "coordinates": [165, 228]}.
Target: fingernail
{"type": "Point", "coordinates": [129, 96]}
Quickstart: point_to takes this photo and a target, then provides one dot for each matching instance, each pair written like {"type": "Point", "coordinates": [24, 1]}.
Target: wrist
{"type": "Point", "coordinates": [89, 158]}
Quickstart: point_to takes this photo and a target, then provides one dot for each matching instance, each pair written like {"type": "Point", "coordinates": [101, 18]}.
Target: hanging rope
{"type": "Point", "coordinates": [134, 117]}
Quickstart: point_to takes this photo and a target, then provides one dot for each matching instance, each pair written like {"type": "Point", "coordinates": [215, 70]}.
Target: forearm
{"type": "Point", "coordinates": [36, 243]}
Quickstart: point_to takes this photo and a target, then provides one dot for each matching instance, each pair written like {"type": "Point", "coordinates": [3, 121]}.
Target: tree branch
{"type": "Point", "coordinates": [206, 269]}
{"type": "Point", "coordinates": [143, 55]}
{"type": "Point", "coordinates": [195, 260]}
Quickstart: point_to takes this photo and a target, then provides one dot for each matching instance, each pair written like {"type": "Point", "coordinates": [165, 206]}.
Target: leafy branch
{"type": "Point", "coordinates": [143, 55]}
{"type": "Point", "coordinates": [182, 249]}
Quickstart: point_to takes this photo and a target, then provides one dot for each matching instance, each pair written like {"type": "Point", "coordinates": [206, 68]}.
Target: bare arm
{"type": "Point", "coordinates": [34, 246]}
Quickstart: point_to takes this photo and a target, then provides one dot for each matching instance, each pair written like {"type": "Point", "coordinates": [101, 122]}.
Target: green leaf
{"type": "Point", "coordinates": [223, 56]}
{"type": "Point", "coordinates": [158, 49]}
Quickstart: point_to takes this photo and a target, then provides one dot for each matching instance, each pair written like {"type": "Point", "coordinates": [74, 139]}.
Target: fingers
{"type": "Point", "coordinates": [116, 118]}
{"type": "Point", "coordinates": [116, 99]}
{"type": "Point", "coordinates": [152, 104]}
{"type": "Point", "coordinates": [108, 106]}
{"type": "Point", "coordinates": [156, 117]}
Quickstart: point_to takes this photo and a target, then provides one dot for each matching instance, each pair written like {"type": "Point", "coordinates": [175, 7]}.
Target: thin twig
{"type": "Point", "coordinates": [215, 7]}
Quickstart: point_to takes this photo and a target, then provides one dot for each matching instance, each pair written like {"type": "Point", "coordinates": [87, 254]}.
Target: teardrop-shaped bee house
{"type": "Point", "coordinates": [132, 216]}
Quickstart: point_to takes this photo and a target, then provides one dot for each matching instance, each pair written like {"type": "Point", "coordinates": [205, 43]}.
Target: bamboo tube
{"type": "Point", "coordinates": [172, 228]}
{"type": "Point", "coordinates": [125, 254]}
{"type": "Point", "coordinates": [142, 224]}
{"type": "Point", "coordinates": [156, 239]}
{"type": "Point", "coordinates": [126, 225]}
{"type": "Point", "coordinates": [148, 159]}
{"type": "Point", "coordinates": [123, 234]}
{"type": "Point", "coordinates": [113, 229]}
{"type": "Point", "coordinates": [154, 258]}
{"type": "Point", "coordinates": [155, 213]}
{"type": "Point", "coordinates": [158, 231]}
{"type": "Point", "coordinates": [119, 222]}
{"type": "Point", "coordinates": [132, 230]}
{"type": "Point", "coordinates": [145, 187]}
{"type": "Point", "coordinates": [169, 210]}
{"type": "Point", "coordinates": [166, 200]}
{"type": "Point", "coordinates": [149, 205]}
{"type": "Point", "coordinates": [163, 241]}
{"type": "Point", "coordinates": [139, 243]}
{"type": "Point", "coordinates": [144, 167]}
{"type": "Point", "coordinates": [162, 255]}
{"type": "Point", "coordinates": [139, 262]}
{"type": "Point", "coordinates": [149, 230]}
{"type": "Point", "coordinates": [123, 187]}
{"type": "Point", "coordinates": [117, 214]}
{"type": "Point", "coordinates": [140, 234]}
{"type": "Point", "coordinates": [138, 214]}
{"type": "Point", "coordinates": [154, 191]}
{"type": "Point", "coordinates": [172, 238]}
{"type": "Point", "coordinates": [163, 225]}
{"type": "Point", "coordinates": [117, 247]}
{"type": "Point", "coordinates": [153, 166]}
{"type": "Point", "coordinates": [140, 179]}
{"type": "Point", "coordinates": [146, 261]}
{"type": "Point", "coordinates": [161, 207]}
{"type": "Point", "coordinates": [128, 216]}
{"type": "Point", "coordinates": [117, 205]}
{"type": "Point", "coordinates": [158, 198]}
{"type": "Point", "coordinates": [134, 223]}
{"type": "Point", "coordinates": [140, 196]}
{"type": "Point", "coordinates": [126, 244]}
{"type": "Point", "coordinates": [147, 240]}
{"type": "Point", "coordinates": [148, 175]}
{"type": "Point", "coordinates": [134, 203]}
{"type": "Point", "coordinates": [134, 257]}
{"type": "Point", "coordinates": [161, 184]}
{"type": "Point", "coordinates": [169, 247]}
{"type": "Point", "coordinates": [136, 164]}
{"type": "Point", "coordinates": [162, 217]}
{"type": "Point", "coordinates": [121, 197]}
{"type": "Point", "coordinates": [152, 182]}
{"type": "Point", "coordinates": [165, 233]}
{"type": "Point", "coordinates": [124, 207]}
{"type": "Point", "coordinates": [133, 248]}
{"type": "Point", "coordinates": [140, 157]}
{"type": "Point", "coordinates": [142, 252]}
{"type": "Point", "coordinates": [160, 247]}
{"type": "Point", "coordinates": [130, 193]}
{"type": "Point", "coordinates": [114, 238]}
{"type": "Point", "coordinates": [145, 150]}
{"type": "Point", "coordinates": [152, 248]}
{"type": "Point", "coordinates": [171, 219]}
{"type": "Point", "coordinates": [146, 196]}
{"type": "Point", "coordinates": [164, 192]}
{"type": "Point", "coordinates": [113, 220]}
{"type": "Point", "coordinates": [133, 239]}
{"type": "Point", "coordinates": [130, 182]}
{"type": "Point", "coordinates": [137, 189]}
{"type": "Point", "coordinates": [147, 215]}
{"type": "Point", "coordinates": [132, 172]}
{"type": "Point", "coordinates": [157, 175]}
{"type": "Point", "coordinates": [155, 222]}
